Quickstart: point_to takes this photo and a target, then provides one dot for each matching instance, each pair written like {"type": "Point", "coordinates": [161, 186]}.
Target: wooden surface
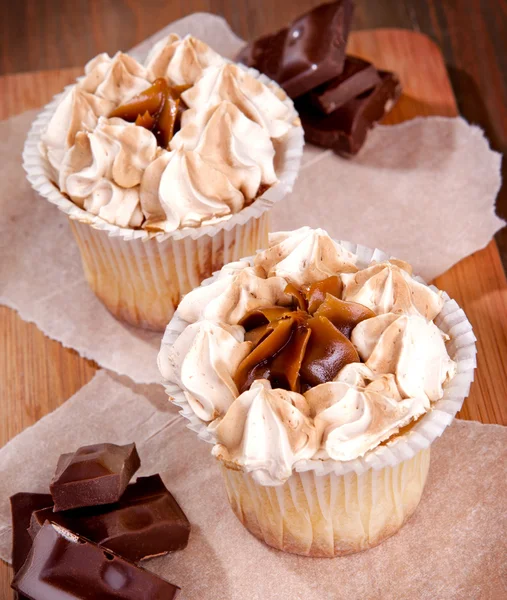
{"type": "Point", "coordinates": [38, 374]}
{"type": "Point", "coordinates": [55, 34]}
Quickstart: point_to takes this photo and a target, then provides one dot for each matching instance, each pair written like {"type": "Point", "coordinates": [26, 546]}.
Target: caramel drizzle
{"type": "Point", "coordinates": [158, 109]}
{"type": "Point", "coordinates": [303, 345]}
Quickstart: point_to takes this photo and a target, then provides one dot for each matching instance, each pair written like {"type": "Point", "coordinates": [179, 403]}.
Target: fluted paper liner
{"type": "Point", "coordinates": [329, 515]}
{"type": "Point", "coordinates": [461, 348]}
{"type": "Point", "coordinates": [142, 281]}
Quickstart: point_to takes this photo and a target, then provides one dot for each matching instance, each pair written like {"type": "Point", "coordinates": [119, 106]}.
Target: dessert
{"type": "Point", "coordinates": [338, 97]}
{"type": "Point", "coordinates": [334, 375]}
{"type": "Point", "coordinates": [166, 170]}
{"type": "Point", "coordinates": [61, 564]}
{"type": "Point", "coordinates": [145, 522]}
{"type": "Point", "coordinates": [345, 129]}
{"type": "Point", "coordinates": [85, 552]}
{"type": "Point", "coordinates": [307, 53]}
{"type": "Point", "coordinates": [23, 505]}
{"type": "Point", "coordinates": [358, 76]}
{"type": "Point", "coordinates": [93, 475]}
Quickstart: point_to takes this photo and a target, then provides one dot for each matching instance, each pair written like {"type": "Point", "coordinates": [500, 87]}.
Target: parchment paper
{"type": "Point", "coordinates": [423, 191]}
{"type": "Point", "coordinates": [454, 547]}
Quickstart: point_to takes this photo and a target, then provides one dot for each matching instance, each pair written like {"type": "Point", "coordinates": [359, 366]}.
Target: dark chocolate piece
{"type": "Point", "coordinates": [345, 129]}
{"type": "Point", "coordinates": [307, 53]}
{"type": "Point", "coordinates": [22, 507]}
{"type": "Point", "coordinates": [62, 566]}
{"type": "Point", "coordinates": [147, 521]}
{"type": "Point", "coordinates": [358, 76]}
{"type": "Point", "coordinates": [93, 475]}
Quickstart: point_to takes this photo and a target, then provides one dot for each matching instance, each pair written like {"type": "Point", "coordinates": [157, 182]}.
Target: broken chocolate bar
{"type": "Point", "coordinates": [358, 76]}
{"type": "Point", "coordinates": [306, 54]}
{"type": "Point", "coordinates": [93, 475]}
{"type": "Point", "coordinates": [345, 129]}
{"type": "Point", "coordinates": [22, 507]}
{"type": "Point", "coordinates": [147, 521]}
{"type": "Point", "coordinates": [64, 565]}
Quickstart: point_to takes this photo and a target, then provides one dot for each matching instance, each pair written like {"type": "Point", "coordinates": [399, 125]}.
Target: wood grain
{"type": "Point", "coordinates": [53, 34]}
{"type": "Point", "coordinates": [38, 374]}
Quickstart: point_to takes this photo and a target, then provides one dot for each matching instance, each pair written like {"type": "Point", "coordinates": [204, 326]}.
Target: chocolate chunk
{"type": "Point", "coordinates": [147, 521]}
{"type": "Point", "coordinates": [93, 475]}
{"type": "Point", "coordinates": [358, 76]}
{"type": "Point", "coordinates": [62, 565]}
{"type": "Point", "coordinates": [22, 507]}
{"type": "Point", "coordinates": [306, 54]}
{"type": "Point", "coordinates": [345, 129]}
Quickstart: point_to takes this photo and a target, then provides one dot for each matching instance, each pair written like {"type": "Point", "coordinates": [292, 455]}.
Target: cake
{"type": "Point", "coordinates": [321, 372]}
{"type": "Point", "coordinates": [166, 169]}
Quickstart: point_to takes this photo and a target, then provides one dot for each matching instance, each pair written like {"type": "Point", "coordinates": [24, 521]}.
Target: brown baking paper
{"type": "Point", "coordinates": [454, 547]}
{"type": "Point", "coordinates": [424, 191]}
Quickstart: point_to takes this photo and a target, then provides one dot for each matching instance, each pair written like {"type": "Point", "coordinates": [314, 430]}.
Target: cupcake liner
{"type": "Point", "coordinates": [141, 282]}
{"type": "Point", "coordinates": [329, 515]}
{"type": "Point", "coordinates": [461, 348]}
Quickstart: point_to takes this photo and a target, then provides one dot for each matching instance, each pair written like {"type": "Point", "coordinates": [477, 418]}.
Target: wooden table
{"type": "Point", "coordinates": [37, 374]}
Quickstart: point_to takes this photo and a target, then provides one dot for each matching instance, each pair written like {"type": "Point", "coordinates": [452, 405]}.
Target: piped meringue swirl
{"type": "Point", "coordinates": [232, 144]}
{"type": "Point", "coordinates": [254, 99]}
{"type": "Point", "coordinates": [305, 256]}
{"type": "Point", "coordinates": [351, 420]}
{"type": "Point", "coordinates": [266, 431]}
{"type": "Point", "coordinates": [103, 170]}
{"type": "Point", "coordinates": [389, 287]}
{"type": "Point", "coordinates": [117, 79]}
{"type": "Point", "coordinates": [410, 348]}
{"type": "Point", "coordinates": [202, 361]}
{"type": "Point", "coordinates": [239, 289]}
{"type": "Point", "coordinates": [180, 61]}
{"type": "Point", "coordinates": [77, 111]}
{"type": "Point", "coordinates": [180, 189]}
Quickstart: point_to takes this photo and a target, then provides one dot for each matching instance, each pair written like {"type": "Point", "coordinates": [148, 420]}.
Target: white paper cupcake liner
{"type": "Point", "coordinates": [329, 515]}
{"type": "Point", "coordinates": [461, 348]}
{"type": "Point", "coordinates": [142, 281]}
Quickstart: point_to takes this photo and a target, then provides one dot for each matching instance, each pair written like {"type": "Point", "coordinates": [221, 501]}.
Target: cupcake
{"type": "Point", "coordinates": [321, 372]}
{"type": "Point", "coordinates": [166, 170]}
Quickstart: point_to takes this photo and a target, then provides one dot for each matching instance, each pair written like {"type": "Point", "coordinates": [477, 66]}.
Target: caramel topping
{"type": "Point", "coordinates": [343, 315]}
{"type": "Point", "coordinates": [301, 346]}
{"type": "Point", "coordinates": [316, 292]}
{"type": "Point", "coordinates": [158, 109]}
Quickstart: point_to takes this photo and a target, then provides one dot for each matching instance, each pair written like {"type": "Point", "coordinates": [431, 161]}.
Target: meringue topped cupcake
{"type": "Point", "coordinates": [321, 372]}
{"type": "Point", "coordinates": [184, 147]}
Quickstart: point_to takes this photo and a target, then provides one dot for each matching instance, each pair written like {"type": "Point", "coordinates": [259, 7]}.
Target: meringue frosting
{"type": "Point", "coordinates": [389, 287]}
{"type": "Point", "coordinates": [232, 144]}
{"type": "Point", "coordinates": [238, 289]}
{"type": "Point", "coordinates": [203, 361]}
{"type": "Point", "coordinates": [351, 420]}
{"type": "Point", "coordinates": [410, 348]}
{"type": "Point", "coordinates": [102, 171]}
{"type": "Point", "coordinates": [181, 61]}
{"type": "Point", "coordinates": [220, 161]}
{"type": "Point", "coordinates": [77, 111]}
{"type": "Point", "coordinates": [117, 79]}
{"type": "Point", "coordinates": [254, 99]}
{"type": "Point", "coordinates": [305, 256]}
{"type": "Point", "coordinates": [266, 431]}
{"type": "Point", "coordinates": [403, 370]}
